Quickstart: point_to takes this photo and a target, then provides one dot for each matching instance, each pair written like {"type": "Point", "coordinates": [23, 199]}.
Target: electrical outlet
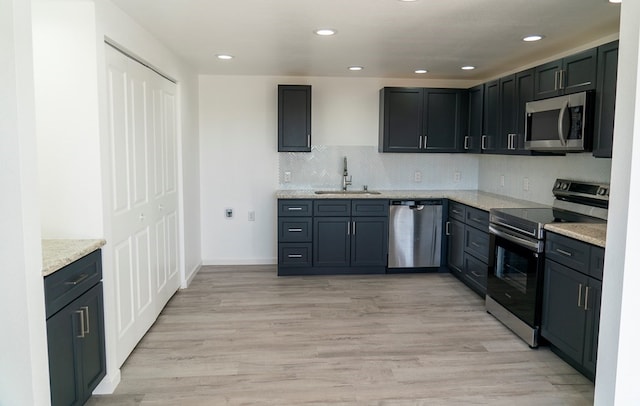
{"type": "Point", "coordinates": [457, 176]}
{"type": "Point", "coordinates": [287, 177]}
{"type": "Point", "coordinates": [501, 180]}
{"type": "Point", "coordinates": [525, 184]}
{"type": "Point", "coordinates": [252, 215]}
{"type": "Point", "coordinates": [417, 176]}
{"type": "Point", "coordinates": [228, 213]}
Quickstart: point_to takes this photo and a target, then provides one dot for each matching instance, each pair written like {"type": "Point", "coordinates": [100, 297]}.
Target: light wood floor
{"type": "Point", "coordinates": [242, 336]}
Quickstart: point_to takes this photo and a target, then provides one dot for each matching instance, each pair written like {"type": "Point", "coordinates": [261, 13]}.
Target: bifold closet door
{"type": "Point", "coordinates": [142, 180]}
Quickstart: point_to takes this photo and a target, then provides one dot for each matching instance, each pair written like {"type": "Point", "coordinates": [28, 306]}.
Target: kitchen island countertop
{"type": "Point", "coordinates": [56, 254]}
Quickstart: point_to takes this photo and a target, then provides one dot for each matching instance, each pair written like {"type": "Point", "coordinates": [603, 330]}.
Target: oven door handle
{"type": "Point", "coordinates": [533, 246]}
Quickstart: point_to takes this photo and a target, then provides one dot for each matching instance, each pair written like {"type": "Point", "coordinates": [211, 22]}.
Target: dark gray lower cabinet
{"type": "Point", "coordinates": [341, 236]}
{"type": "Point", "coordinates": [571, 302]}
{"type": "Point", "coordinates": [468, 245]}
{"type": "Point", "coordinates": [75, 331]}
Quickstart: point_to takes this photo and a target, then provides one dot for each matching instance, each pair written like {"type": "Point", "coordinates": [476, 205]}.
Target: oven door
{"type": "Point", "coordinates": [515, 274]}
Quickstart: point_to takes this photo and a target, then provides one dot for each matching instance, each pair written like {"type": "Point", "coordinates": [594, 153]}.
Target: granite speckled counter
{"type": "Point", "coordinates": [592, 233]}
{"type": "Point", "coordinates": [57, 254]}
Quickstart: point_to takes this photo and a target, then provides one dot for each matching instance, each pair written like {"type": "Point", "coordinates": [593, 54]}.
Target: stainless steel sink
{"type": "Point", "coordinates": [346, 192]}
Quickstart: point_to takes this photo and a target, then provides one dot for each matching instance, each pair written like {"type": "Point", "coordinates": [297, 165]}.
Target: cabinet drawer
{"type": "Point", "coordinates": [368, 207]}
{"type": "Point", "coordinates": [597, 262]}
{"type": "Point", "coordinates": [294, 207]}
{"type": "Point", "coordinates": [457, 210]}
{"type": "Point", "coordinates": [567, 251]}
{"type": "Point", "coordinates": [332, 207]}
{"type": "Point", "coordinates": [476, 243]}
{"type": "Point", "coordinates": [476, 273]}
{"type": "Point", "coordinates": [477, 218]}
{"type": "Point", "coordinates": [294, 254]}
{"type": "Point", "coordinates": [68, 283]}
{"type": "Point", "coordinates": [294, 229]}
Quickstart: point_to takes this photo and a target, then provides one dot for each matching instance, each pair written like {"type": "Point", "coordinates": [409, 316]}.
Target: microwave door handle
{"type": "Point", "coordinates": [564, 123]}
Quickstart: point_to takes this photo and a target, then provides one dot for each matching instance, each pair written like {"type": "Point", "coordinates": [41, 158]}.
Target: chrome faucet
{"type": "Point", "coordinates": [345, 182]}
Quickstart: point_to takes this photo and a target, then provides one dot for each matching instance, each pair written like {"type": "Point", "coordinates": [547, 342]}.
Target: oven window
{"type": "Point", "coordinates": [512, 268]}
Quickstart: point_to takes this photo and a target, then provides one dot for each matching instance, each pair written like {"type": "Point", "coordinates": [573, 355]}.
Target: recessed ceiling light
{"type": "Point", "coordinates": [325, 32]}
{"type": "Point", "coordinates": [420, 71]}
{"type": "Point", "coordinates": [468, 67]}
{"type": "Point", "coordinates": [615, 1]}
{"type": "Point", "coordinates": [408, 1]}
{"type": "Point", "coordinates": [532, 38]}
{"type": "Point", "coordinates": [355, 68]}
{"type": "Point", "coordinates": [224, 56]}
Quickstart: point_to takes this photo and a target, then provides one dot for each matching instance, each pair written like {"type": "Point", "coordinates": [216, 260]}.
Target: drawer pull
{"type": "Point", "coordinates": [77, 281]}
{"type": "Point", "coordinates": [294, 208]}
{"type": "Point", "coordinates": [475, 244]}
{"type": "Point", "coordinates": [295, 230]}
{"type": "Point", "coordinates": [294, 256]}
{"type": "Point", "coordinates": [477, 275]}
{"type": "Point", "coordinates": [477, 219]}
{"type": "Point", "coordinates": [447, 231]}
{"type": "Point", "coordinates": [456, 211]}
{"type": "Point", "coordinates": [563, 252]}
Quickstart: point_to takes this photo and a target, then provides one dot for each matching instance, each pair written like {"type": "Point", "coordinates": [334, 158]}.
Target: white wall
{"type": "Point", "coordinates": [66, 86]}
{"type": "Point", "coordinates": [24, 377]}
{"type": "Point", "coordinates": [541, 171]}
{"type": "Point", "coordinates": [618, 374]}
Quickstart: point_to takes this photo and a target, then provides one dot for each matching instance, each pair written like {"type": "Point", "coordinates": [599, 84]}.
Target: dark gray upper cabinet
{"type": "Point", "coordinates": [575, 73]}
{"type": "Point", "coordinates": [490, 124]}
{"type": "Point", "coordinates": [422, 119]}
{"type": "Point", "coordinates": [472, 141]}
{"type": "Point", "coordinates": [294, 118]}
{"type": "Point", "coordinates": [605, 99]}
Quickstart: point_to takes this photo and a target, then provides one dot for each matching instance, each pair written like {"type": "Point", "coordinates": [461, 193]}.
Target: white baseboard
{"type": "Point", "coordinates": [108, 384]}
{"type": "Point", "coordinates": [240, 261]}
{"type": "Point", "coordinates": [189, 277]}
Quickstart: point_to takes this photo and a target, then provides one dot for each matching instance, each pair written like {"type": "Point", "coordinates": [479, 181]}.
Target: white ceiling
{"type": "Point", "coordinates": [389, 38]}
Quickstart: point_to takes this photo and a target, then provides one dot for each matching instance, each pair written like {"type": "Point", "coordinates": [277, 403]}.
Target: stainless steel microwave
{"type": "Point", "coordinates": [560, 124]}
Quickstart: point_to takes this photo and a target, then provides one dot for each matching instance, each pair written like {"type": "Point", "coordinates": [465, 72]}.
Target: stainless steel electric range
{"type": "Point", "coordinates": [516, 260]}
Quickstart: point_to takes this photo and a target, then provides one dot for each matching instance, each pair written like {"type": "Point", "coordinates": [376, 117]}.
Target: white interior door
{"type": "Point", "coordinates": [142, 175]}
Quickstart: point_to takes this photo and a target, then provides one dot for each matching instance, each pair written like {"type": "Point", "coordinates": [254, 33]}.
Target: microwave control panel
{"type": "Point", "coordinates": [575, 131]}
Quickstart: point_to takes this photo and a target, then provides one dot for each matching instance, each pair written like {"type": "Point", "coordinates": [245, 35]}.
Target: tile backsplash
{"type": "Point", "coordinates": [322, 169]}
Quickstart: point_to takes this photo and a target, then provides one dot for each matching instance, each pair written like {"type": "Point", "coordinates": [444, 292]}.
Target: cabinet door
{"type": "Point", "coordinates": [369, 241]}
{"type": "Point", "coordinates": [294, 118]}
{"type": "Point", "coordinates": [508, 109]}
{"type": "Point", "coordinates": [92, 357]}
{"type": "Point", "coordinates": [547, 79]}
{"type": "Point", "coordinates": [475, 274]}
{"type": "Point", "coordinates": [605, 99]}
{"type": "Point", "coordinates": [64, 362]}
{"type": "Point", "coordinates": [563, 315]}
{"type": "Point", "coordinates": [331, 241]}
{"type": "Point", "coordinates": [443, 120]}
{"type": "Point", "coordinates": [471, 142]}
{"type": "Point", "coordinates": [489, 140]}
{"type": "Point", "coordinates": [455, 255]}
{"type": "Point", "coordinates": [592, 328]}
{"type": "Point", "coordinates": [401, 119]}
{"type": "Point", "coordinates": [579, 72]}
{"type": "Point", "coordinates": [525, 89]}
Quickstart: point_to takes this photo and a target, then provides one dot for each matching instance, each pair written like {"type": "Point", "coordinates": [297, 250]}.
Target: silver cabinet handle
{"type": "Point", "coordinates": [563, 252]}
{"type": "Point", "coordinates": [294, 256]}
{"type": "Point", "coordinates": [483, 144]}
{"type": "Point", "coordinates": [475, 244]}
{"type": "Point", "coordinates": [81, 313]}
{"type": "Point", "coordinates": [295, 230]}
{"type": "Point", "coordinates": [86, 313]}
{"type": "Point", "coordinates": [456, 211]}
{"type": "Point", "coordinates": [309, 140]}
{"type": "Point", "coordinates": [561, 79]}
{"type": "Point", "coordinates": [78, 280]}
{"type": "Point", "coordinates": [348, 228]}
{"type": "Point", "coordinates": [580, 295]}
{"type": "Point", "coordinates": [294, 208]}
{"type": "Point", "coordinates": [555, 79]}
{"type": "Point", "coordinates": [447, 231]}
{"type": "Point", "coordinates": [420, 141]}
{"type": "Point", "coordinates": [466, 142]}
{"type": "Point", "coordinates": [586, 299]}
{"type": "Point", "coordinates": [474, 273]}
{"type": "Point", "coordinates": [354, 228]}
{"type": "Point", "coordinates": [425, 141]}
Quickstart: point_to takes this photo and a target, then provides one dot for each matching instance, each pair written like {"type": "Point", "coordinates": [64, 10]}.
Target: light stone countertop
{"type": "Point", "coordinates": [592, 233]}
{"type": "Point", "coordinates": [56, 254]}
{"type": "Point", "coordinates": [474, 198]}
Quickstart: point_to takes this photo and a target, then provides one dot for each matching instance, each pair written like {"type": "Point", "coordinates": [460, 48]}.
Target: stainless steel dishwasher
{"type": "Point", "coordinates": [415, 233]}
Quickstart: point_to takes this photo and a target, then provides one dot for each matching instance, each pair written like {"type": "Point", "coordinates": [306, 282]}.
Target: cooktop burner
{"type": "Point", "coordinates": [546, 215]}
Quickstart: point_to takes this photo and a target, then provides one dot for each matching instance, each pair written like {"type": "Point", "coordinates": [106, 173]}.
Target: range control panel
{"type": "Point", "coordinates": [574, 188]}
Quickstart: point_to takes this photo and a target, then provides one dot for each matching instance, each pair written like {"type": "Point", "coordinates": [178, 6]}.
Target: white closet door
{"type": "Point", "coordinates": [142, 176]}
